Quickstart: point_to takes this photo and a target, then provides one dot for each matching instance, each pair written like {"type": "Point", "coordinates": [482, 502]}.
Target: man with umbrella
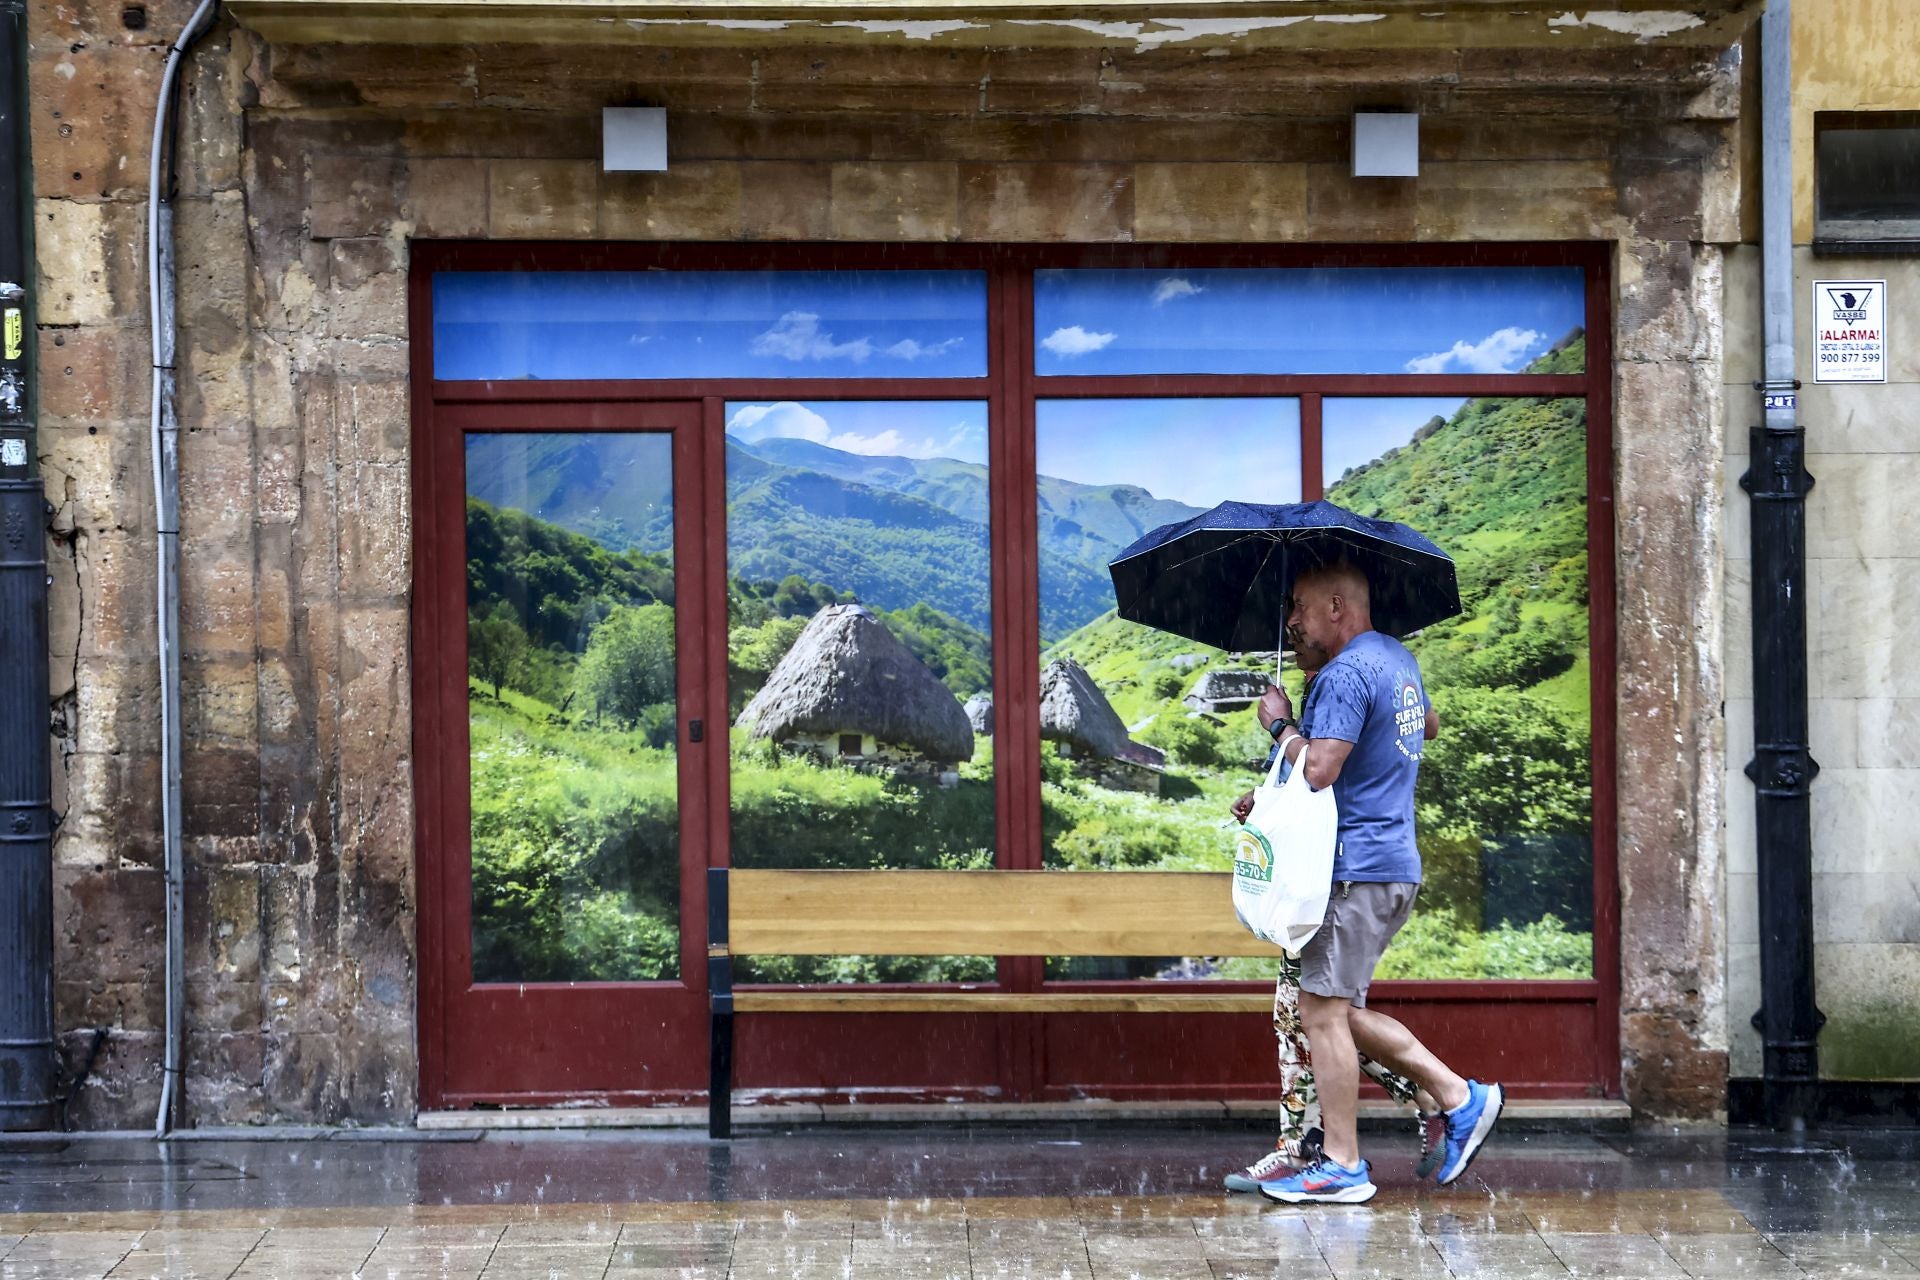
{"type": "Point", "coordinates": [1344, 584]}
{"type": "Point", "coordinates": [1367, 731]}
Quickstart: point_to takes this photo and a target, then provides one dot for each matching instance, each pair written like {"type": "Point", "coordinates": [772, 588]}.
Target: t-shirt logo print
{"type": "Point", "coordinates": [1410, 719]}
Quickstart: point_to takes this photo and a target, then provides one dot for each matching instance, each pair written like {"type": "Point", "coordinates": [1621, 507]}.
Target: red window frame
{"type": "Point", "coordinates": [1569, 1028]}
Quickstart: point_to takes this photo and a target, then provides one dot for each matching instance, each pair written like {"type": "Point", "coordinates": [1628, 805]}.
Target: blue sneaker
{"type": "Point", "coordinates": [1468, 1126]}
{"type": "Point", "coordinates": [1326, 1182]}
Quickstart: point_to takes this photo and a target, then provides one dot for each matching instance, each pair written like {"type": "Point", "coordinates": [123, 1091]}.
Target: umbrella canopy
{"type": "Point", "coordinates": [1223, 577]}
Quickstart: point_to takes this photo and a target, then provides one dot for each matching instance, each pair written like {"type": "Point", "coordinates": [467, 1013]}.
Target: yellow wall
{"type": "Point", "coordinates": [1848, 55]}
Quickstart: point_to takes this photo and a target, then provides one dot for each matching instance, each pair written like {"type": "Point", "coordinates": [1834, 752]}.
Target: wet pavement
{"type": "Point", "coordinates": [1078, 1203]}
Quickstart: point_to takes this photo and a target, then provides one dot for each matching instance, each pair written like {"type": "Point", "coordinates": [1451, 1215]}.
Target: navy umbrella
{"type": "Point", "coordinates": [1223, 578]}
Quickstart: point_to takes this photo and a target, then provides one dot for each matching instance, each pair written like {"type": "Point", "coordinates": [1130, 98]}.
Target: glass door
{"type": "Point", "coordinates": [563, 648]}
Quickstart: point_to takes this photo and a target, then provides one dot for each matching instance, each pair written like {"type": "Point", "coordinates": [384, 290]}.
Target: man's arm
{"type": "Point", "coordinates": [1433, 723]}
{"type": "Point", "coordinates": [1324, 762]}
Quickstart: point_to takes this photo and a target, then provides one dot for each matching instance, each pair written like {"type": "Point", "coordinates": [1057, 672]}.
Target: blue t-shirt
{"type": "Point", "coordinates": [1371, 695]}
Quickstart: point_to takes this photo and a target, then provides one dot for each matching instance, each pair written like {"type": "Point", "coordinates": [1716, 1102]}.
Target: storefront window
{"type": "Point", "coordinates": [859, 651]}
{"type": "Point", "coordinates": [1505, 798]}
{"type": "Point", "coordinates": [1146, 737]}
{"type": "Point", "coordinates": [571, 688]}
{"type": "Point", "coordinates": [1329, 320]}
{"type": "Point", "coordinates": [709, 324]}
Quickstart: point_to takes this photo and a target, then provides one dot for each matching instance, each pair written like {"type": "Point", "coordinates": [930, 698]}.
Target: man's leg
{"type": "Point", "coordinates": [1386, 1040]}
{"type": "Point", "coordinates": [1336, 1072]}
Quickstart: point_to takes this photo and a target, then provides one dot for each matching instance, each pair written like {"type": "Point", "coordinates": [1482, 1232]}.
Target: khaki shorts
{"type": "Point", "coordinates": [1361, 919]}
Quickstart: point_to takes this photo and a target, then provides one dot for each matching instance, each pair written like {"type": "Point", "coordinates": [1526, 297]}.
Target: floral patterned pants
{"type": "Point", "coordinates": [1299, 1103]}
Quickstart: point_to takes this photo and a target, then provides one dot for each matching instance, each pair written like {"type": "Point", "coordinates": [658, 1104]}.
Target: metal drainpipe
{"type": "Point", "coordinates": [1783, 767]}
{"type": "Point", "coordinates": [165, 433]}
{"type": "Point", "coordinates": [26, 760]}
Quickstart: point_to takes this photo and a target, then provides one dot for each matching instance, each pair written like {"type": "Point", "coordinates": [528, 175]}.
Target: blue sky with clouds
{"type": "Point", "coordinates": [1200, 452]}
{"type": "Point", "coordinates": [892, 428]}
{"type": "Point", "coordinates": [1357, 429]}
{"type": "Point", "coordinates": [709, 324]}
{"type": "Point", "coordinates": [1305, 320]}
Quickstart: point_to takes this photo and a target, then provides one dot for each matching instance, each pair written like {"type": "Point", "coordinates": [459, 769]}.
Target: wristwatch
{"type": "Point", "coordinates": [1281, 725]}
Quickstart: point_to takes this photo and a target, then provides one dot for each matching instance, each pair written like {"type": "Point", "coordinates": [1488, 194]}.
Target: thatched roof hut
{"type": "Point", "coordinates": [848, 674]}
{"type": "Point", "coordinates": [1074, 711]}
{"type": "Point", "coordinates": [979, 711]}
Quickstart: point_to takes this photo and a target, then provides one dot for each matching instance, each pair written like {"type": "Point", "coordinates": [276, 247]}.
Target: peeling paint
{"type": "Point", "coordinates": [918, 29]}
{"type": "Point", "coordinates": [725, 24]}
{"type": "Point", "coordinates": [1159, 31]}
{"type": "Point", "coordinates": [1647, 26]}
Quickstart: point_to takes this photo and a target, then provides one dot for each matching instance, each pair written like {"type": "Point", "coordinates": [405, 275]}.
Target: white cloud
{"type": "Point", "coordinates": [797, 336]}
{"type": "Point", "coordinates": [1175, 287]}
{"type": "Point", "coordinates": [786, 419]}
{"type": "Point", "coordinates": [1499, 352]}
{"type": "Point", "coordinates": [908, 349]}
{"type": "Point", "coordinates": [964, 442]}
{"type": "Point", "coordinates": [1075, 341]}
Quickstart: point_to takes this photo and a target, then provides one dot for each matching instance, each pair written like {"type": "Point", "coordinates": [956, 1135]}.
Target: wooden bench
{"type": "Point", "coordinates": [960, 913]}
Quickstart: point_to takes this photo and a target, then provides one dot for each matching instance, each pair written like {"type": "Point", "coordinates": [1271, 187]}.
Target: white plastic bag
{"type": "Point", "coordinates": [1283, 857]}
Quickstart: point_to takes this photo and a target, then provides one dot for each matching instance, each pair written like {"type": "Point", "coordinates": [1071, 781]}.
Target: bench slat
{"type": "Point", "coordinates": [1007, 913]}
{"type": "Point", "coordinates": [999, 1002]}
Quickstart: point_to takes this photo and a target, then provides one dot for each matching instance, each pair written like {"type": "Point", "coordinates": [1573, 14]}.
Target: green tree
{"type": "Point", "coordinates": [496, 647]}
{"type": "Point", "coordinates": [628, 665]}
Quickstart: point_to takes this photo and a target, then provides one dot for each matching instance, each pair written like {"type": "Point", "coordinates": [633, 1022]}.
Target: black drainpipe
{"type": "Point", "coordinates": [1783, 767]}
{"type": "Point", "coordinates": [26, 778]}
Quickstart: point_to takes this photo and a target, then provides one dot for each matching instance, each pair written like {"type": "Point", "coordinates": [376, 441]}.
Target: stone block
{"type": "Point", "coordinates": [218, 92]}
{"type": "Point", "coordinates": [1668, 1073]}
{"type": "Point", "coordinates": [1743, 908]}
{"type": "Point", "coordinates": [1046, 202]}
{"type": "Point", "coordinates": [697, 200]}
{"type": "Point", "coordinates": [219, 702]}
{"type": "Point", "coordinates": [1452, 136]}
{"type": "Point", "coordinates": [542, 199]}
{"type": "Point", "coordinates": [117, 595]}
{"type": "Point", "coordinates": [1867, 906]}
{"type": "Point", "coordinates": [1482, 200]}
{"type": "Point", "coordinates": [376, 540]}
{"type": "Point", "coordinates": [1745, 1057]}
{"type": "Point", "coordinates": [1661, 198]}
{"type": "Point", "coordinates": [1861, 418]}
{"type": "Point", "coordinates": [90, 106]}
{"type": "Point", "coordinates": [895, 201]}
{"type": "Point", "coordinates": [1860, 820]}
{"type": "Point", "coordinates": [1857, 647]}
{"type": "Point", "coordinates": [216, 598]}
{"type": "Point", "coordinates": [1739, 849]}
{"type": "Point", "coordinates": [786, 202]}
{"type": "Point", "coordinates": [354, 195]}
{"type": "Point", "coordinates": [1889, 733]}
{"type": "Point", "coordinates": [1664, 304]}
{"type": "Point", "coordinates": [1343, 207]}
{"type": "Point", "coordinates": [109, 923]}
{"type": "Point", "coordinates": [447, 197]}
{"type": "Point", "coordinates": [224, 935]}
{"type": "Point", "coordinates": [220, 803]}
{"type": "Point", "coordinates": [367, 290]}
{"type": "Point", "coordinates": [1736, 508]}
{"type": "Point", "coordinates": [1868, 992]}
{"type": "Point", "coordinates": [112, 814]}
{"type": "Point", "coordinates": [370, 75]}
{"type": "Point", "coordinates": [123, 1091]}
{"type": "Point", "coordinates": [496, 133]}
{"type": "Point", "coordinates": [87, 1002]}
{"type": "Point", "coordinates": [97, 474]}
{"type": "Point", "coordinates": [1833, 726]}
{"type": "Point", "coordinates": [374, 421]}
{"type": "Point", "coordinates": [89, 257]}
{"type": "Point", "coordinates": [1215, 202]}
{"type": "Point", "coordinates": [1860, 507]}
{"type": "Point", "coordinates": [97, 373]}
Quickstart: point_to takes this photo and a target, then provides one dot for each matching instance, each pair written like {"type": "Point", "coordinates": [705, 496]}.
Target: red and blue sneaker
{"type": "Point", "coordinates": [1325, 1182]}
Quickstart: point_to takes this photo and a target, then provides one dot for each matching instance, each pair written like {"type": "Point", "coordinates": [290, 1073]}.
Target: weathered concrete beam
{"type": "Point", "coordinates": [1121, 24]}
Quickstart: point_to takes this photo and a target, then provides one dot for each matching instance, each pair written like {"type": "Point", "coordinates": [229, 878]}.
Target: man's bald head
{"type": "Point", "coordinates": [1331, 606]}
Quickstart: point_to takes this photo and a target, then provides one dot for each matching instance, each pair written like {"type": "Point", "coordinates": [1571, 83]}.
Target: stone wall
{"type": "Point", "coordinates": [310, 169]}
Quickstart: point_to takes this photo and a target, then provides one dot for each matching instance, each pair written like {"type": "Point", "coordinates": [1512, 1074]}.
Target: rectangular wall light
{"type": "Point", "coordinates": [633, 139]}
{"type": "Point", "coordinates": [1386, 144]}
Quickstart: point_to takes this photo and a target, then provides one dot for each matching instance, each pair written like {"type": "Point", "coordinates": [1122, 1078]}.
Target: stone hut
{"type": "Point", "coordinates": [848, 690]}
{"type": "Point", "coordinates": [1077, 716]}
{"type": "Point", "coordinates": [1219, 692]}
